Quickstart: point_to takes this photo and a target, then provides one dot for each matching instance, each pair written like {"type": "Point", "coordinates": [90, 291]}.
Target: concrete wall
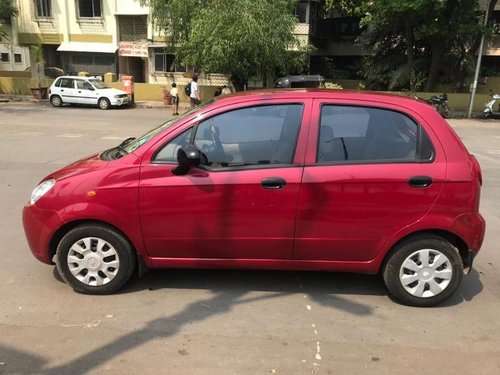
{"type": "Point", "coordinates": [20, 86]}
{"type": "Point", "coordinates": [154, 92]}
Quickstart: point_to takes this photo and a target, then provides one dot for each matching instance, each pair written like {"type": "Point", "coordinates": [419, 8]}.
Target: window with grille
{"type": "Point", "coordinates": [89, 8]}
{"type": "Point", "coordinates": [43, 8]}
{"type": "Point", "coordinates": [4, 57]}
{"type": "Point", "coordinates": [17, 58]}
{"type": "Point", "coordinates": [133, 28]}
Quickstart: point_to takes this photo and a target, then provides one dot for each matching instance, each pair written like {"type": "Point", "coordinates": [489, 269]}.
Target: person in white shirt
{"type": "Point", "coordinates": [174, 94]}
{"type": "Point", "coordinates": [195, 94]}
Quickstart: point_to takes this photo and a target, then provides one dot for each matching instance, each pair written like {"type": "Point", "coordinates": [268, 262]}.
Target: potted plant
{"type": "Point", "coordinates": [38, 92]}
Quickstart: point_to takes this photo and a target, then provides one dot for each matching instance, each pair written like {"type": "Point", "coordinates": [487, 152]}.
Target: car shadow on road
{"type": "Point", "coordinates": [326, 288]}
{"type": "Point", "coordinates": [230, 288]}
{"type": "Point", "coordinates": [471, 286]}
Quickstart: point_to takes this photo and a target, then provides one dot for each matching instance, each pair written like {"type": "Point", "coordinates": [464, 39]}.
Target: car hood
{"type": "Point", "coordinates": [85, 165]}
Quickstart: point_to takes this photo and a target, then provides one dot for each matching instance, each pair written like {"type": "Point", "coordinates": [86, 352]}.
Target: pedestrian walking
{"type": "Point", "coordinates": [174, 99]}
{"type": "Point", "coordinates": [194, 96]}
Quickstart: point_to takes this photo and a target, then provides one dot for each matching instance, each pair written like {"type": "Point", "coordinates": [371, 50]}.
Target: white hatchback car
{"type": "Point", "coordinates": [83, 90]}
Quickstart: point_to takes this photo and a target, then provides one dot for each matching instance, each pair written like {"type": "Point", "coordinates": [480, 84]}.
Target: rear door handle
{"type": "Point", "coordinates": [273, 183]}
{"type": "Point", "coordinates": [420, 181]}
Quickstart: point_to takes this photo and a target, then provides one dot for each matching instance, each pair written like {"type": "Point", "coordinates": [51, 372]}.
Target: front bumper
{"type": "Point", "coordinates": [120, 101]}
{"type": "Point", "coordinates": [39, 227]}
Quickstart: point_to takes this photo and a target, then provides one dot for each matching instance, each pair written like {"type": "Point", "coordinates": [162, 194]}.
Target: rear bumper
{"type": "Point", "coordinates": [468, 260]}
{"type": "Point", "coordinates": [471, 228]}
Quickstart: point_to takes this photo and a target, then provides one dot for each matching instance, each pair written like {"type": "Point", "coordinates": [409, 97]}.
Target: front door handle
{"type": "Point", "coordinates": [420, 181]}
{"type": "Point", "coordinates": [273, 183]}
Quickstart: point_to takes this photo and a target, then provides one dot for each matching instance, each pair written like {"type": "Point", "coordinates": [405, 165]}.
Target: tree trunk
{"type": "Point", "coordinates": [409, 50]}
{"type": "Point", "coordinates": [239, 83]}
{"type": "Point", "coordinates": [436, 60]}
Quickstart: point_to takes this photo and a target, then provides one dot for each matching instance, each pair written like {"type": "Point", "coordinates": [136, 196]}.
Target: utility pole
{"type": "Point", "coordinates": [478, 65]}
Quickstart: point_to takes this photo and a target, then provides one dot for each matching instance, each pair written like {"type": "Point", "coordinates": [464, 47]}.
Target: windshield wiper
{"type": "Point", "coordinates": [126, 142]}
{"type": "Point", "coordinates": [120, 149]}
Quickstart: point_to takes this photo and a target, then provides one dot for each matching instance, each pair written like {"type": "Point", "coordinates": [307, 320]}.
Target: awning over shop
{"type": "Point", "coordinates": [87, 47]}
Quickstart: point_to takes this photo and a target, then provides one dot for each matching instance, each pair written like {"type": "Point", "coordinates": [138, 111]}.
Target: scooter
{"type": "Point", "coordinates": [489, 110]}
{"type": "Point", "coordinates": [440, 103]}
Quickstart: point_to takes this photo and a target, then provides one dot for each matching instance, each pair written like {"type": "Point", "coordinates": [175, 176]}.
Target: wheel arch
{"type": "Point", "coordinates": [61, 232]}
{"type": "Point", "coordinates": [452, 238]}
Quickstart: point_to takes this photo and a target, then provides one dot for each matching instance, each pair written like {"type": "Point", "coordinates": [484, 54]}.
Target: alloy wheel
{"type": "Point", "coordinates": [425, 273]}
{"type": "Point", "coordinates": [93, 261]}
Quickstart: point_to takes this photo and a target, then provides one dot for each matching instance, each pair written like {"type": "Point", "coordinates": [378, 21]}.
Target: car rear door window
{"type": "Point", "coordinates": [66, 83]}
{"type": "Point", "coordinates": [365, 134]}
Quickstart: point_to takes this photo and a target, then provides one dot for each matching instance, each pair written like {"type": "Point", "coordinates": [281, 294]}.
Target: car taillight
{"type": "Point", "coordinates": [49, 91]}
{"type": "Point", "coordinates": [477, 169]}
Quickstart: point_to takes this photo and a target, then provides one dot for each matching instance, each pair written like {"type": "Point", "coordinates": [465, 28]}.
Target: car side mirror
{"type": "Point", "coordinates": [188, 156]}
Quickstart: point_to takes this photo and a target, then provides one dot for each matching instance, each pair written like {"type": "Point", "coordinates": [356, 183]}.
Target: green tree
{"type": "Point", "coordinates": [7, 11]}
{"type": "Point", "coordinates": [174, 17]}
{"type": "Point", "coordinates": [410, 42]}
{"type": "Point", "coordinates": [345, 7]}
{"type": "Point", "coordinates": [241, 38]}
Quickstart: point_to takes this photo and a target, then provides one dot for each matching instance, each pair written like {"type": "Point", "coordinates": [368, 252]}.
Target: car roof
{"type": "Point", "coordinates": [75, 77]}
{"type": "Point", "coordinates": [317, 93]}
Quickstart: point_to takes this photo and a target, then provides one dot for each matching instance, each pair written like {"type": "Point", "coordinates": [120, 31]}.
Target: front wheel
{"type": "Point", "coordinates": [104, 103]}
{"type": "Point", "coordinates": [95, 259]}
{"type": "Point", "coordinates": [423, 271]}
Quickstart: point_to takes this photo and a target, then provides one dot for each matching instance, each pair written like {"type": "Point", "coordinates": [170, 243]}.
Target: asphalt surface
{"type": "Point", "coordinates": [223, 322]}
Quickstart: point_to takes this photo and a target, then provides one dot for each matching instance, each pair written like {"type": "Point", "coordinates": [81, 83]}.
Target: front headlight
{"type": "Point", "coordinates": [118, 96]}
{"type": "Point", "coordinates": [41, 190]}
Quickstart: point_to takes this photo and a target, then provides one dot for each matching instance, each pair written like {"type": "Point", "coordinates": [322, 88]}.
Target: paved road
{"type": "Point", "coordinates": [223, 322]}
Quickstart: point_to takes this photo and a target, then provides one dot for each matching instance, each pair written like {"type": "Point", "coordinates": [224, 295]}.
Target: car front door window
{"type": "Point", "coordinates": [253, 136]}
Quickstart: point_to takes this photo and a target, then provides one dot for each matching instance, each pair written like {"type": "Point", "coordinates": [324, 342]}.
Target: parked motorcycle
{"type": "Point", "coordinates": [489, 107]}
{"type": "Point", "coordinates": [440, 103]}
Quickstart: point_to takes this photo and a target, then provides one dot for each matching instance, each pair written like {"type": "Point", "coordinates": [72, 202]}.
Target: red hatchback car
{"type": "Point", "coordinates": [303, 179]}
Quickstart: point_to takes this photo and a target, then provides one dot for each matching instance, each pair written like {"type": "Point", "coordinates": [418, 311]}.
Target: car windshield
{"type": "Point", "coordinates": [138, 142]}
{"type": "Point", "coordinates": [99, 84]}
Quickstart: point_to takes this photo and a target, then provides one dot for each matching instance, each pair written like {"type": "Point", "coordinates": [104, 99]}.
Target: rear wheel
{"type": "Point", "coordinates": [56, 101]}
{"type": "Point", "coordinates": [423, 271]}
{"type": "Point", "coordinates": [95, 259]}
{"type": "Point", "coordinates": [445, 111]}
{"type": "Point", "coordinates": [104, 103]}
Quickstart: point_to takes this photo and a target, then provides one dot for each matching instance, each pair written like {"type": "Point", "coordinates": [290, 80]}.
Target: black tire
{"type": "Point", "coordinates": [114, 249]}
{"type": "Point", "coordinates": [56, 101]}
{"type": "Point", "coordinates": [104, 103]}
{"type": "Point", "coordinates": [409, 252]}
{"type": "Point", "coordinates": [445, 111]}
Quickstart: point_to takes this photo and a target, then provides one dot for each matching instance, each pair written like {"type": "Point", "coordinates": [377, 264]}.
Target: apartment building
{"type": "Point", "coordinates": [100, 36]}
